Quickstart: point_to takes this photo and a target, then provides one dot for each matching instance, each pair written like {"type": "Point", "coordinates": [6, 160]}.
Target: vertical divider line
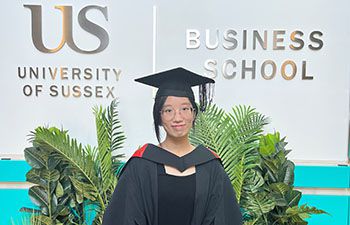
{"type": "Point", "coordinates": [154, 45]}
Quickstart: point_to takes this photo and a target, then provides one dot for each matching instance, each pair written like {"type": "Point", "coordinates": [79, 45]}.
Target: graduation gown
{"type": "Point", "coordinates": [135, 199]}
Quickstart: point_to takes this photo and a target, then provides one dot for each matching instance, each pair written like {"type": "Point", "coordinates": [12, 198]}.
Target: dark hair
{"type": "Point", "coordinates": [157, 107]}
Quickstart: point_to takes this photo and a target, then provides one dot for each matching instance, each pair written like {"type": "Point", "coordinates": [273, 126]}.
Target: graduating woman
{"type": "Point", "coordinates": [174, 182]}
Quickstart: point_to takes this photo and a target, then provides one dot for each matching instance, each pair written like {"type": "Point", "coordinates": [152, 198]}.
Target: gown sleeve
{"type": "Point", "coordinates": [223, 208]}
{"type": "Point", "coordinates": [125, 207]}
{"type": "Point", "coordinates": [228, 212]}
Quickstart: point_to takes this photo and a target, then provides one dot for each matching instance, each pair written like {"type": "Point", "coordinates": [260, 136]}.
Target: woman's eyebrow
{"type": "Point", "coordinates": [180, 104]}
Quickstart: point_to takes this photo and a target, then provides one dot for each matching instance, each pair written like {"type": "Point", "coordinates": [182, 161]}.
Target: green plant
{"type": "Point", "coordinates": [26, 219]}
{"type": "Point", "coordinates": [72, 180]}
{"type": "Point", "coordinates": [278, 174]}
{"type": "Point", "coordinates": [235, 137]}
{"type": "Point", "coordinates": [74, 183]}
{"type": "Point", "coordinates": [257, 166]}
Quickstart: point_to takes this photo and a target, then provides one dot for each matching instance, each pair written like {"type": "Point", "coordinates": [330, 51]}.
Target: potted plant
{"type": "Point", "coordinates": [256, 164]}
{"type": "Point", "coordinates": [74, 183]}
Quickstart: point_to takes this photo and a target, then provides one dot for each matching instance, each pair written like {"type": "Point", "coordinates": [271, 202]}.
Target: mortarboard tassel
{"type": "Point", "coordinates": [206, 94]}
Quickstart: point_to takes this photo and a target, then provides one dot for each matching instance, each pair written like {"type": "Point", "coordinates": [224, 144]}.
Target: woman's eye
{"type": "Point", "coordinates": [168, 110]}
{"type": "Point", "coordinates": [185, 108]}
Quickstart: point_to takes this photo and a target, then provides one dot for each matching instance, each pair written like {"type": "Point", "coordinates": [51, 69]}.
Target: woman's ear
{"type": "Point", "coordinates": [194, 120]}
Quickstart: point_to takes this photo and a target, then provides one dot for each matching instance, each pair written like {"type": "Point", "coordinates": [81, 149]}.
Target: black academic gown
{"type": "Point", "coordinates": [135, 199]}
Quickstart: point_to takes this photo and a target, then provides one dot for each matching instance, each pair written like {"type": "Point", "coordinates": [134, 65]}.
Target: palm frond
{"type": "Point", "coordinates": [110, 139]}
{"type": "Point", "coordinates": [68, 150]}
{"type": "Point", "coordinates": [27, 219]}
{"type": "Point", "coordinates": [234, 136]}
{"type": "Point", "coordinates": [238, 182]}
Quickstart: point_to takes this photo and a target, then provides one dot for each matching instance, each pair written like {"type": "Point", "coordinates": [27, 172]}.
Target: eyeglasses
{"type": "Point", "coordinates": [168, 112]}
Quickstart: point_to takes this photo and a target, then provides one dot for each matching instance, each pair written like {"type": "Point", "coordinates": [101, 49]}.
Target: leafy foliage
{"type": "Point", "coordinates": [74, 183]}
{"type": "Point", "coordinates": [257, 165]}
{"type": "Point", "coordinates": [27, 219]}
{"type": "Point", "coordinates": [278, 173]}
{"type": "Point", "coordinates": [70, 178]}
{"type": "Point", "coordinates": [235, 137]}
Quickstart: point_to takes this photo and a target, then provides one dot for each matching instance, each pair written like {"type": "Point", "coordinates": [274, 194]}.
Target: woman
{"type": "Point", "coordinates": [174, 183]}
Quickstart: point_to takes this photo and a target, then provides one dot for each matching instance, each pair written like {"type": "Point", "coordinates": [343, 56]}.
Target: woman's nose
{"type": "Point", "coordinates": [177, 116]}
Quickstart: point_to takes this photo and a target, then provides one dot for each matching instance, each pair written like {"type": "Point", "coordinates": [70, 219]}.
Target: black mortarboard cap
{"type": "Point", "coordinates": [178, 82]}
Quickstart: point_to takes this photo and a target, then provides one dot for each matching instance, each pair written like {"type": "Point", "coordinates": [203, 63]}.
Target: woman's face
{"type": "Point", "coordinates": [177, 116]}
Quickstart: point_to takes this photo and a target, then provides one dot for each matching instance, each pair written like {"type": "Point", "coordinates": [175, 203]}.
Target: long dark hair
{"type": "Point", "coordinates": [157, 107]}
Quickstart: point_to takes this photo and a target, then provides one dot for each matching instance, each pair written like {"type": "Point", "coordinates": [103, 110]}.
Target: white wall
{"type": "Point", "coordinates": [313, 114]}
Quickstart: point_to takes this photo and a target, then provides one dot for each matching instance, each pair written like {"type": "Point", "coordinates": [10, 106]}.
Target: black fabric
{"type": "Point", "coordinates": [135, 199]}
{"type": "Point", "coordinates": [177, 79]}
{"type": "Point", "coordinates": [178, 82]}
{"type": "Point", "coordinates": [173, 92]}
{"type": "Point", "coordinates": [175, 198]}
{"type": "Point", "coordinates": [196, 157]}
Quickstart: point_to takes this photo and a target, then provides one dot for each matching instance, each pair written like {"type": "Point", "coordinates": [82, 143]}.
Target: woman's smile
{"type": "Point", "coordinates": [178, 126]}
